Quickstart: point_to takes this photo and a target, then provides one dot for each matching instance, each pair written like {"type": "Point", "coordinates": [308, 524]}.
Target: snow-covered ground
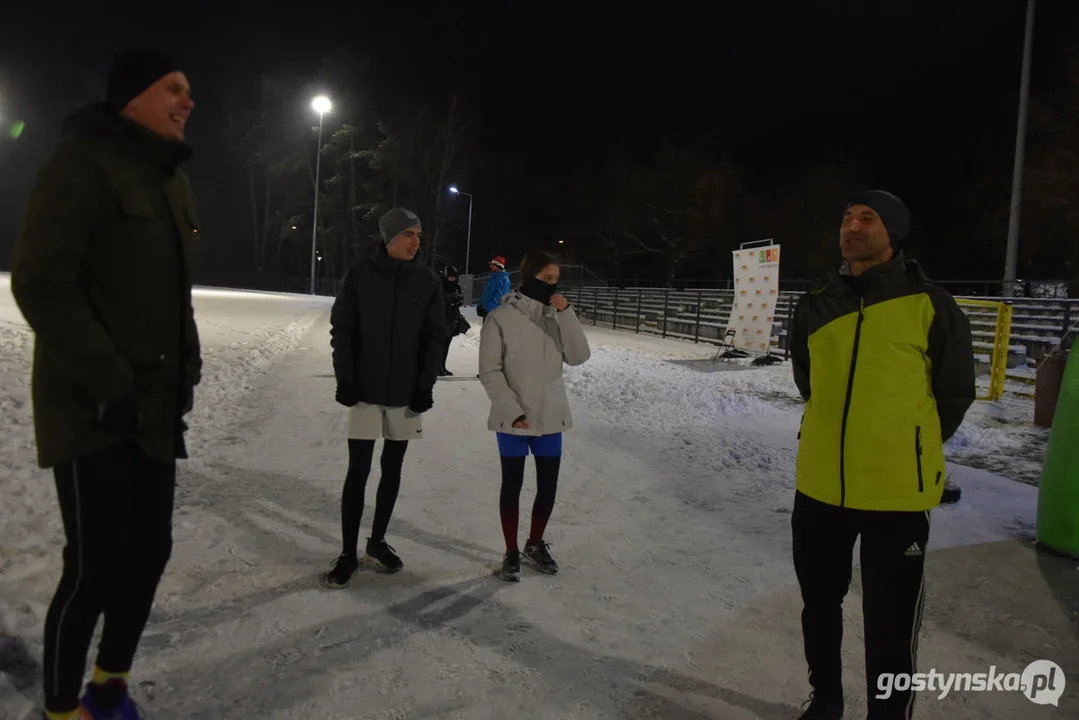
{"type": "Point", "coordinates": [677, 597]}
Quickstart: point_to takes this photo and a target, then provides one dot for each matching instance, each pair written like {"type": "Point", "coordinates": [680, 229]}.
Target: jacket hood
{"type": "Point", "coordinates": [94, 119]}
{"type": "Point", "coordinates": [533, 309]}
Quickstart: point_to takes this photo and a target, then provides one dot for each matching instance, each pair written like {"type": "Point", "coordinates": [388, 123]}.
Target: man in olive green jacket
{"type": "Point", "coordinates": [102, 274]}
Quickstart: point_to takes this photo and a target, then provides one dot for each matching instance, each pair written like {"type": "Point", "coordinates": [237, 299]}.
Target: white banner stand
{"type": "Point", "coordinates": [756, 295]}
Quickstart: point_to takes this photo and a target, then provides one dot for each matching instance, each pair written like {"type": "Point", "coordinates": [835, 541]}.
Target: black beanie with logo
{"type": "Point", "coordinates": [893, 213]}
{"type": "Point", "coordinates": [132, 73]}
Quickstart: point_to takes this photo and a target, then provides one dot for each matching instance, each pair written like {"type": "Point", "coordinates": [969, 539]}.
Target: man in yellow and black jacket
{"type": "Point", "coordinates": [884, 361]}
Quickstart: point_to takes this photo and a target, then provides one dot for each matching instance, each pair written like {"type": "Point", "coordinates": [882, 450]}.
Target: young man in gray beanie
{"type": "Point", "coordinates": [388, 333]}
{"type": "Point", "coordinates": [102, 274]}
{"type": "Point", "coordinates": [884, 360]}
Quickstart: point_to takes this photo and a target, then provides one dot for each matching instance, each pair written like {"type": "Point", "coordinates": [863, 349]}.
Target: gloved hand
{"type": "Point", "coordinates": [422, 401]}
{"type": "Point", "coordinates": [348, 394]}
{"type": "Point", "coordinates": [120, 415]}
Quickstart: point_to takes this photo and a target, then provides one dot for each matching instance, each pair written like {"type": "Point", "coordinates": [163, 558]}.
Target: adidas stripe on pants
{"type": "Point", "coordinates": [117, 511]}
{"type": "Point", "coordinates": [893, 594]}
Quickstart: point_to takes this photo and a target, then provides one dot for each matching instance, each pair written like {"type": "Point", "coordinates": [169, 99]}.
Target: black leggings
{"type": "Point", "coordinates": [360, 453]}
{"type": "Point", "coordinates": [117, 511]}
{"type": "Point", "coordinates": [513, 476]}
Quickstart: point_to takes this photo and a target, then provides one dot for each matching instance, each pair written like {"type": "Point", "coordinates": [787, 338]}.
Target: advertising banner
{"type": "Point", "coordinates": [756, 292]}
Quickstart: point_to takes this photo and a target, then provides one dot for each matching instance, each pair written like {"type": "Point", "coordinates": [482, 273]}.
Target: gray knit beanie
{"type": "Point", "coordinates": [395, 222]}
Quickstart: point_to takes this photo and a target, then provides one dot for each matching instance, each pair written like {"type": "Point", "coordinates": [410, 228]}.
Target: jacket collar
{"type": "Point", "coordinates": [385, 263]}
{"type": "Point", "coordinates": [130, 137]}
{"type": "Point", "coordinates": [533, 309]}
{"type": "Point", "coordinates": [895, 270]}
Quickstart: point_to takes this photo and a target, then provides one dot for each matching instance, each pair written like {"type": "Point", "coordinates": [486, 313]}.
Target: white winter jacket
{"type": "Point", "coordinates": [522, 347]}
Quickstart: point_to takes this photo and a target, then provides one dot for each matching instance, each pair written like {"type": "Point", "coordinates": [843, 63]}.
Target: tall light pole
{"type": "Point", "coordinates": [1011, 254]}
{"type": "Point", "coordinates": [468, 242]}
{"type": "Point", "coordinates": [321, 105]}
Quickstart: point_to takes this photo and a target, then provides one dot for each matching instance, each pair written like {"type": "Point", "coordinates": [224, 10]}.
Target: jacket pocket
{"type": "Point", "coordinates": [192, 218]}
{"type": "Point", "coordinates": [135, 204]}
{"type": "Point", "coordinates": [918, 456]}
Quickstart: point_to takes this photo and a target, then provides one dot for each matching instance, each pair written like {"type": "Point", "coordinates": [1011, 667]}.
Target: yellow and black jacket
{"type": "Point", "coordinates": [887, 372]}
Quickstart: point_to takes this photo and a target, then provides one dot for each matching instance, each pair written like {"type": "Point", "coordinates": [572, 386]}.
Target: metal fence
{"type": "Point", "coordinates": [698, 315]}
{"type": "Point", "coordinates": [1027, 290]}
{"type": "Point", "coordinates": [1035, 326]}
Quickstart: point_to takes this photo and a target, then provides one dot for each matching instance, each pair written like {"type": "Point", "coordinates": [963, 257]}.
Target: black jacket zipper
{"type": "Point", "coordinates": [846, 408]}
{"type": "Point", "coordinates": [918, 455]}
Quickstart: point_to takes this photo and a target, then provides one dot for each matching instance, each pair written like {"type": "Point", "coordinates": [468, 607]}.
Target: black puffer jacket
{"type": "Point", "coordinates": [387, 329]}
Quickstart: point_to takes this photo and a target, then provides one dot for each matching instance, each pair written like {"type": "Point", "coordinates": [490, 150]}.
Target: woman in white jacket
{"type": "Point", "coordinates": [523, 345]}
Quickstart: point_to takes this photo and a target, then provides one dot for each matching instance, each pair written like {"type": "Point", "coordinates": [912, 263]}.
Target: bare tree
{"type": "Point", "coordinates": [802, 214]}
{"type": "Point", "coordinates": [672, 213]}
{"type": "Point", "coordinates": [421, 154]}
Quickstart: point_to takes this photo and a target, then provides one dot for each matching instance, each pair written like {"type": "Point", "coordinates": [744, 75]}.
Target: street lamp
{"type": "Point", "coordinates": [1012, 250]}
{"type": "Point", "coordinates": [321, 105]}
{"type": "Point", "coordinates": [468, 242]}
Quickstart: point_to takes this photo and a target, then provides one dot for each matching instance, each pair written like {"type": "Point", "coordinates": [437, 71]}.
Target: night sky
{"type": "Point", "coordinates": [925, 89]}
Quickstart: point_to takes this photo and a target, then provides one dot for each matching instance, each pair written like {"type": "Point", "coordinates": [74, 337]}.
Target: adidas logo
{"type": "Point", "coordinates": [914, 550]}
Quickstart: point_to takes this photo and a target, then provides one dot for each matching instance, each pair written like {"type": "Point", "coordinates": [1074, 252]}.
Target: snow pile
{"type": "Point", "coordinates": [680, 392]}
{"type": "Point", "coordinates": [1002, 439]}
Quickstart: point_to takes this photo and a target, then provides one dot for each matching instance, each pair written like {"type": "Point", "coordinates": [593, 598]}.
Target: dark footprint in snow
{"type": "Point", "coordinates": [17, 663]}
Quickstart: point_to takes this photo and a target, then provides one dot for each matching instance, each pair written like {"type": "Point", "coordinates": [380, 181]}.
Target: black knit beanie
{"type": "Point", "coordinates": [132, 72]}
{"type": "Point", "coordinates": [893, 213]}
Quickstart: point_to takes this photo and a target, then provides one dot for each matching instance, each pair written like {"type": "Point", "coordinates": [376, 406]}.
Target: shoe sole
{"type": "Point", "coordinates": [507, 576]}
{"type": "Point", "coordinates": [545, 569]}
{"type": "Point", "coordinates": [371, 563]}
{"type": "Point", "coordinates": [325, 581]}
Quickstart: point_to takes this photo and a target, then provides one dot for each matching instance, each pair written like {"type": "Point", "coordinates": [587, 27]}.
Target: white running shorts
{"type": "Point", "coordinates": [370, 422]}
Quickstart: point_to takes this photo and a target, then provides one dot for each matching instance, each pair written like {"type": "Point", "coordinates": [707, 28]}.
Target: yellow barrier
{"type": "Point", "coordinates": [998, 361]}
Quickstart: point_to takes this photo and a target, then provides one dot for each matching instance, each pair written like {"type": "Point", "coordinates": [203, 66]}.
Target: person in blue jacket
{"type": "Point", "coordinates": [498, 286]}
